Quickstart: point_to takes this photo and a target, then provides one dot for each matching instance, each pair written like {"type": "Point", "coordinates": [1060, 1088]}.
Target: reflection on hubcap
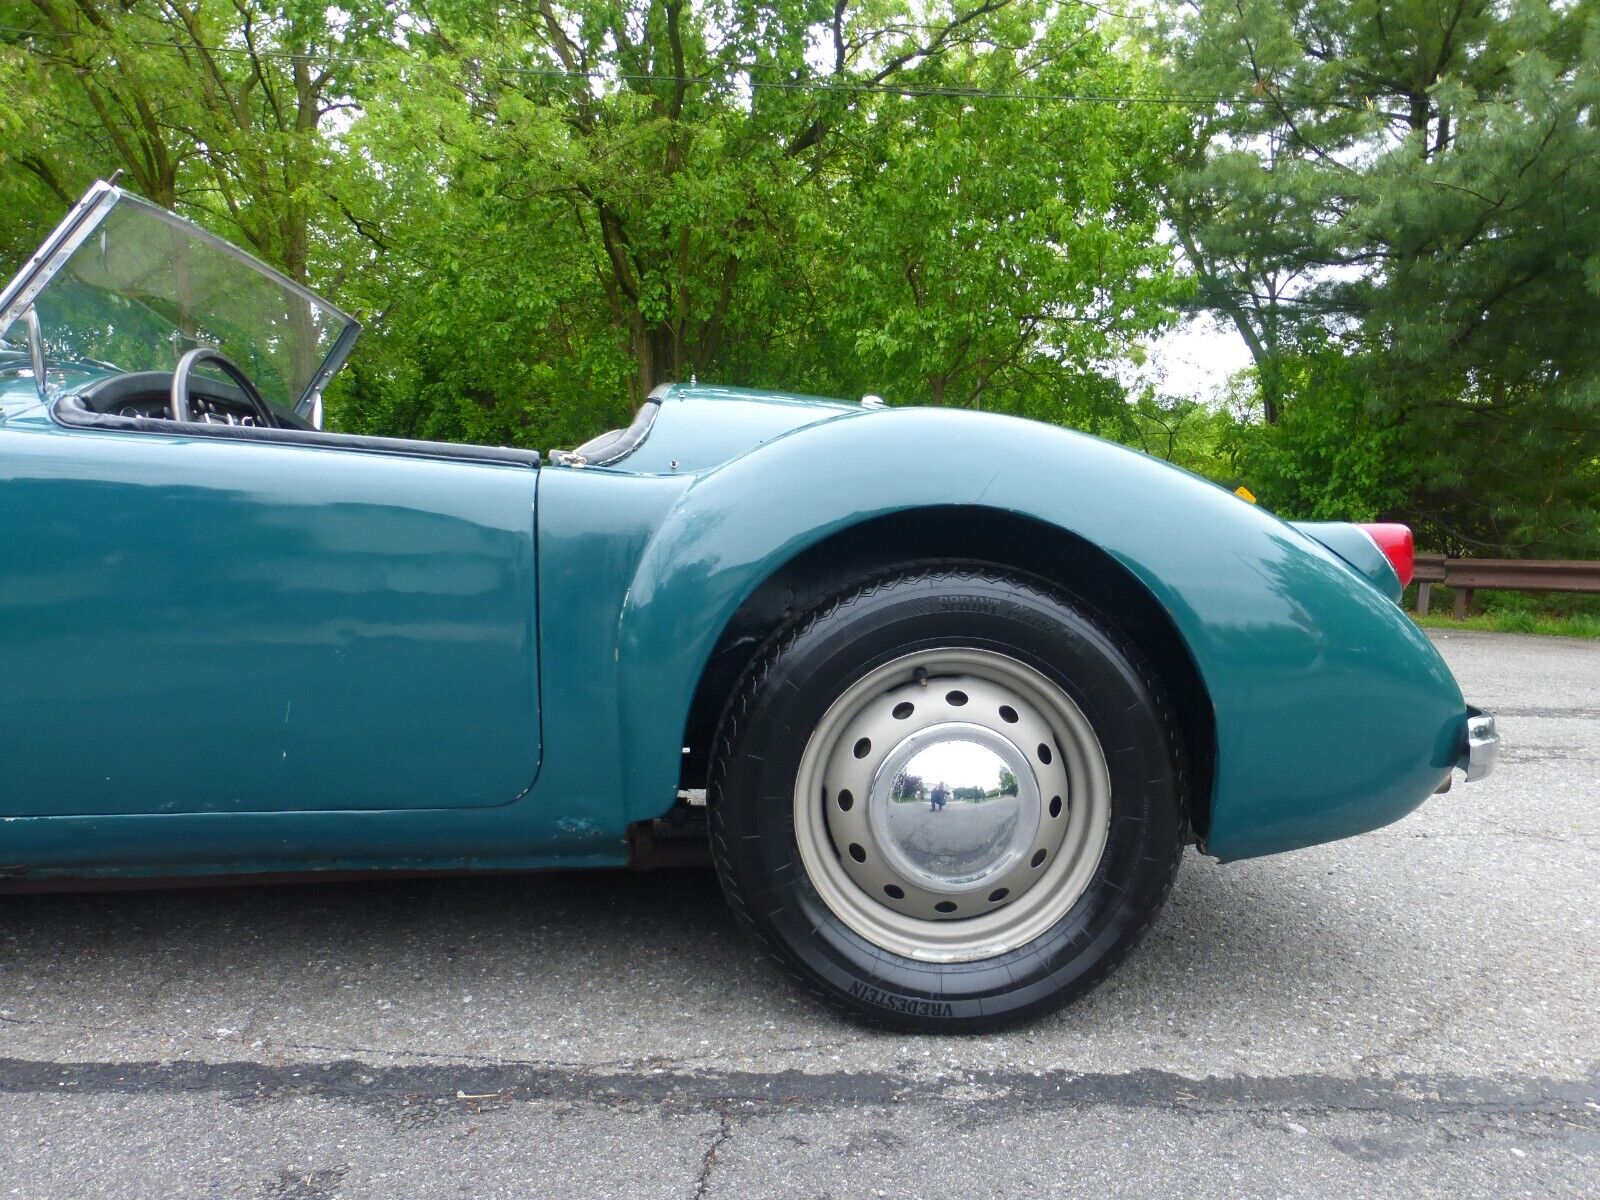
{"type": "Point", "coordinates": [954, 806]}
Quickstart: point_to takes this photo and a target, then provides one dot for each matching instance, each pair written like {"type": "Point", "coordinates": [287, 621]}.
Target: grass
{"type": "Point", "coordinates": [1515, 622]}
{"type": "Point", "coordinates": [1550, 613]}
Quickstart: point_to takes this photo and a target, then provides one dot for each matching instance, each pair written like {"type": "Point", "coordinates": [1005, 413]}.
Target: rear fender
{"type": "Point", "coordinates": [1334, 713]}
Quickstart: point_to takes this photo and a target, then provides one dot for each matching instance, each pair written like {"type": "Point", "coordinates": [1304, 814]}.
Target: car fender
{"type": "Point", "coordinates": [1334, 713]}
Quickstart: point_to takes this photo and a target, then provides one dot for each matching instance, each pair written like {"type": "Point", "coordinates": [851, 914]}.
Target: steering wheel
{"type": "Point", "coordinates": [185, 368]}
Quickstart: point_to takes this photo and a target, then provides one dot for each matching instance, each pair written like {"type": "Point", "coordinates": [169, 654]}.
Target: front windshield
{"type": "Point", "coordinates": [146, 287]}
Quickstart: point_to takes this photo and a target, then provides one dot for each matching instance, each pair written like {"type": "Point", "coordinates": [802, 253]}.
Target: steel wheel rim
{"type": "Point", "coordinates": [1001, 891]}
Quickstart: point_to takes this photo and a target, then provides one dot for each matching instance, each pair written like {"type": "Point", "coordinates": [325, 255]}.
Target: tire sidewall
{"type": "Point", "coordinates": [753, 796]}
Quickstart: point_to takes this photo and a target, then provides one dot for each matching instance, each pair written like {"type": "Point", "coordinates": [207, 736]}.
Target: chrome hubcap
{"type": "Point", "coordinates": [957, 819]}
{"type": "Point", "coordinates": [951, 805]}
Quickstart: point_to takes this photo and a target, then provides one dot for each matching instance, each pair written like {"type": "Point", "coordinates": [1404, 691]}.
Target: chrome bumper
{"type": "Point", "coordinates": [1483, 745]}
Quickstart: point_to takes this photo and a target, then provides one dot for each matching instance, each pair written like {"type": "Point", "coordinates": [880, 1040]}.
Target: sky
{"type": "Point", "coordinates": [1195, 359]}
{"type": "Point", "coordinates": [957, 764]}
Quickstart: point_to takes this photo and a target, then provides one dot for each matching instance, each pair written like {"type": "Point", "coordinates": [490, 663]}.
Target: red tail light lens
{"type": "Point", "coordinates": [1397, 546]}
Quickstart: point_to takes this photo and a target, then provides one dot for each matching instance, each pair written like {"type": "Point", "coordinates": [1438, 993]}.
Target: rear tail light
{"type": "Point", "coordinates": [1397, 546]}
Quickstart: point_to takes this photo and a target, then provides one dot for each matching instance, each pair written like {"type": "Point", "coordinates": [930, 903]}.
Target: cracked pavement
{"type": "Point", "coordinates": [1411, 1012]}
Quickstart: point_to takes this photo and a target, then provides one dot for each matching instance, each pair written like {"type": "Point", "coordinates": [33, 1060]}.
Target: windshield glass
{"type": "Point", "coordinates": [145, 287]}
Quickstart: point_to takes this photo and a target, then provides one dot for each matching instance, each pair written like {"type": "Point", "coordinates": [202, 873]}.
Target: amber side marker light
{"type": "Point", "coordinates": [1397, 546]}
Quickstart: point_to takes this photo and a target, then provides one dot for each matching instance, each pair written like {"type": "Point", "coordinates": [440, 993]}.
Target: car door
{"type": "Point", "coordinates": [209, 624]}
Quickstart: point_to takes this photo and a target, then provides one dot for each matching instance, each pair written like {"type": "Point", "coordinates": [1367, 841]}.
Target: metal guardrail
{"type": "Point", "coordinates": [1466, 575]}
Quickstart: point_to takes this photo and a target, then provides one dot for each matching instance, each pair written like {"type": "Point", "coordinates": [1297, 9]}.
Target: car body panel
{"type": "Point", "coordinates": [1334, 714]}
{"type": "Point", "coordinates": [189, 625]}
{"type": "Point", "coordinates": [1355, 546]}
{"type": "Point", "coordinates": [692, 438]}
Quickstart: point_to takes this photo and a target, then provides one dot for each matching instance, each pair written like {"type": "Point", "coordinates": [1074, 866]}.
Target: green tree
{"type": "Point", "coordinates": [1408, 187]}
{"type": "Point", "coordinates": [699, 201]}
{"type": "Point", "coordinates": [541, 211]}
{"type": "Point", "coordinates": [1001, 254]}
{"type": "Point", "coordinates": [222, 110]}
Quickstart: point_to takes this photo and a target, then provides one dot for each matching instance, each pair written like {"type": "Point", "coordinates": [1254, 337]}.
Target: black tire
{"type": "Point", "coordinates": [805, 667]}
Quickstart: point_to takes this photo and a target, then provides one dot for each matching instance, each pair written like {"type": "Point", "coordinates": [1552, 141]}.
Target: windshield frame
{"type": "Point", "coordinates": [86, 217]}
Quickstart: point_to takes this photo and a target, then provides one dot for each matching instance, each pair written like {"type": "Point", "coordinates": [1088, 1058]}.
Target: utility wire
{"type": "Point", "coordinates": [814, 85]}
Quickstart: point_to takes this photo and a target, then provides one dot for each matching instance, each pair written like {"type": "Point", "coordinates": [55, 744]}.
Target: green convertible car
{"type": "Point", "coordinates": [944, 694]}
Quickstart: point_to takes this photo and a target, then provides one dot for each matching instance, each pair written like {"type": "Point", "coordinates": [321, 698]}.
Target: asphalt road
{"type": "Point", "coordinates": [1408, 1013]}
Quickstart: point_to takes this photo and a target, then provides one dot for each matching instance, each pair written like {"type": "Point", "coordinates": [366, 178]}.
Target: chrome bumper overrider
{"type": "Point", "coordinates": [1483, 745]}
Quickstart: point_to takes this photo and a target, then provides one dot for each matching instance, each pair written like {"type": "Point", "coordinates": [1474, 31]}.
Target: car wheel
{"type": "Point", "coordinates": [948, 800]}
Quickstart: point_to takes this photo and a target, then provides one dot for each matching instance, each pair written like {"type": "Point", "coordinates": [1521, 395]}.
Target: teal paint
{"type": "Point", "coordinates": [1356, 547]}
{"type": "Point", "coordinates": [1334, 713]}
{"type": "Point", "coordinates": [195, 626]}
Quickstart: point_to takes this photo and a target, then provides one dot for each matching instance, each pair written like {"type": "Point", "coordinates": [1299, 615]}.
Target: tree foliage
{"type": "Point", "coordinates": [541, 210]}
{"type": "Point", "coordinates": [657, 191]}
{"type": "Point", "coordinates": [1400, 217]}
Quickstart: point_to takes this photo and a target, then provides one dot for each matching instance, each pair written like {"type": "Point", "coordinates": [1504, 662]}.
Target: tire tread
{"type": "Point", "coordinates": [736, 714]}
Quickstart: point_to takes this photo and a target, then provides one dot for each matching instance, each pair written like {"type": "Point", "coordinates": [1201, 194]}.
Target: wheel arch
{"type": "Point", "coordinates": [966, 534]}
{"type": "Point", "coordinates": [1302, 660]}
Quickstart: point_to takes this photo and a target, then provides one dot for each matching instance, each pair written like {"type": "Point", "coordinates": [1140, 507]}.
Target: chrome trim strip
{"type": "Point", "coordinates": [70, 411]}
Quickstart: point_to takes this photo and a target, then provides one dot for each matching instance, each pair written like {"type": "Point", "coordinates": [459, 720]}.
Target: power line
{"type": "Point", "coordinates": [814, 85]}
